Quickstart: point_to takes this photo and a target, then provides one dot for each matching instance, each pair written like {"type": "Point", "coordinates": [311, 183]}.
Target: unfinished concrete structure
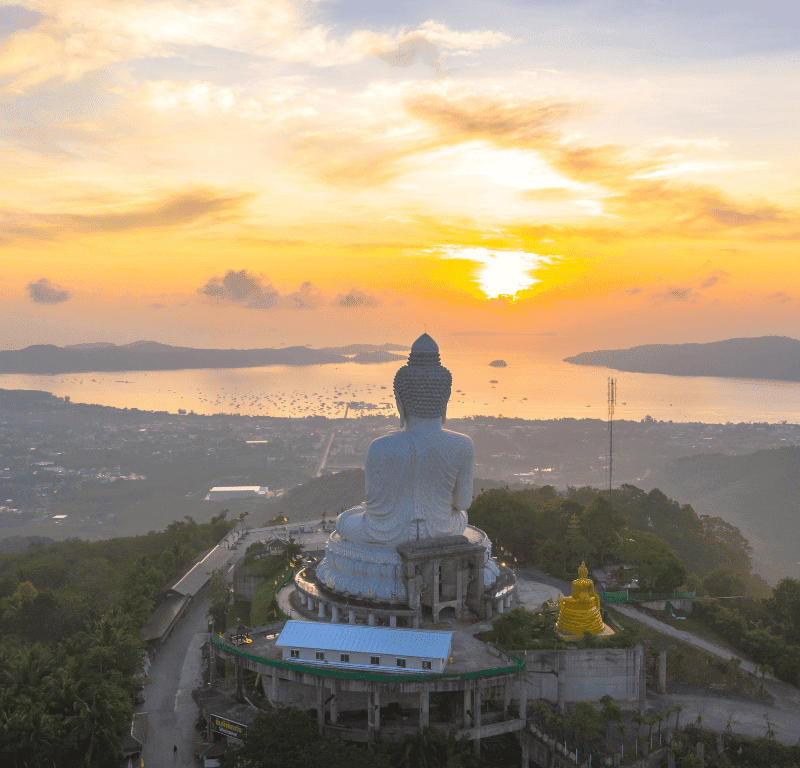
{"type": "Point", "coordinates": [481, 693]}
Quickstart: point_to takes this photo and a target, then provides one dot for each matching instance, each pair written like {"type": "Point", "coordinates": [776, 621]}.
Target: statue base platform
{"type": "Point", "coordinates": [374, 573]}
{"type": "Point", "coordinates": [455, 572]}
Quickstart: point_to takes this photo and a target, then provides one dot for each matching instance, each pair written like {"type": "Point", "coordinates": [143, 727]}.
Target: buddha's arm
{"type": "Point", "coordinates": [462, 492]}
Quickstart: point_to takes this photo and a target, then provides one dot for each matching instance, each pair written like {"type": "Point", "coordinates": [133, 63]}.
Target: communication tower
{"type": "Point", "coordinates": [612, 399]}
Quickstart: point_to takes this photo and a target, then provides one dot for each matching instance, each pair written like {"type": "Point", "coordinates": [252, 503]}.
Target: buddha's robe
{"type": "Point", "coordinates": [419, 479]}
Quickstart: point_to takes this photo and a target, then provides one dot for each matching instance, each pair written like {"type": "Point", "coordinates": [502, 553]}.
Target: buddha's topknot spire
{"type": "Point", "coordinates": [424, 352]}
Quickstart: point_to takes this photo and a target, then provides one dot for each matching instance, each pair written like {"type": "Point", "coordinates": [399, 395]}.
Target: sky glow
{"type": "Point", "coordinates": [622, 173]}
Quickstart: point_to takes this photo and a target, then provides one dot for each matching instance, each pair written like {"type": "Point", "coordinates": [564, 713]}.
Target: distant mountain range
{"type": "Point", "coordinates": [48, 359]}
{"type": "Point", "coordinates": [767, 357]}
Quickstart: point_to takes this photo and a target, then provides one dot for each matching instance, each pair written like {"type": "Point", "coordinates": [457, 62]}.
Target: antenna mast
{"type": "Point", "coordinates": [612, 399]}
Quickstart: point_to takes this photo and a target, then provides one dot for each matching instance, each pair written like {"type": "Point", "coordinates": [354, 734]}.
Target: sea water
{"type": "Point", "coordinates": [532, 385]}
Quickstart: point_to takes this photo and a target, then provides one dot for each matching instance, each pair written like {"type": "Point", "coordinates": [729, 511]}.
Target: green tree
{"type": "Point", "coordinates": [723, 583]}
{"type": "Point", "coordinates": [586, 723]}
{"type": "Point", "coordinates": [219, 592]}
{"type": "Point", "coordinates": [601, 524]}
{"type": "Point", "coordinates": [656, 565]}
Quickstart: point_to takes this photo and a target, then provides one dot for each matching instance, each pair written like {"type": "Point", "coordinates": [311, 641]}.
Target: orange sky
{"type": "Point", "coordinates": [250, 172]}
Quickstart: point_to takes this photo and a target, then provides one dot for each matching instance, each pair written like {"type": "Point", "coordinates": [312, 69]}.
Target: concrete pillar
{"type": "Point", "coordinates": [488, 610]}
{"type": "Point", "coordinates": [212, 669]}
{"type": "Point", "coordinates": [507, 697]}
{"type": "Point", "coordinates": [562, 682]}
{"type": "Point", "coordinates": [415, 622]}
{"type": "Point", "coordinates": [310, 602]}
{"type": "Point", "coordinates": [670, 760]}
{"type": "Point", "coordinates": [371, 619]}
{"type": "Point", "coordinates": [335, 703]}
{"type": "Point", "coordinates": [509, 598]}
{"type": "Point", "coordinates": [460, 577]}
{"type": "Point", "coordinates": [478, 703]}
{"type": "Point", "coordinates": [237, 668]}
{"type": "Point", "coordinates": [467, 707]}
{"type": "Point", "coordinates": [523, 743]}
{"type": "Point", "coordinates": [351, 616]}
{"type": "Point", "coordinates": [393, 621]}
{"type": "Point", "coordinates": [321, 612]}
{"type": "Point", "coordinates": [320, 708]}
{"type": "Point", "coordinates": [334, 613]}
{"type": "Point", "coordinates": [374, 704]}
{"type": "Point", "coordinates": [662, 672]}
{"type": "Point", "coordinates": [303, 598]}
{"type": "Point", "coordinates": [642, 680]}
{"type": "Point", "coordinates": [424, 708]}
{"type": "Point", "coordinates": [275, 684]}
{"type": "Point", "coordinates": [500, 605]}
{"type": "Point", "coordinates": [523, 698]}
{"type": "Point", "coordinates": [435, 596]}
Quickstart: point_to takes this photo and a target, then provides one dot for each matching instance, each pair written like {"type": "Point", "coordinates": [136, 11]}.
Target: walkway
{"type": "Point", "coordinates": [687, 637]}
{"type": "Point", "coordinates": [172, 713]}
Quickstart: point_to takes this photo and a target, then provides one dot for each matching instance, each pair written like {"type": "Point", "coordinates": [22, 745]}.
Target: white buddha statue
{"type": "Point", "coordinates": [418, 480]}
{"type": "Point", "coordinates": [418, 486]}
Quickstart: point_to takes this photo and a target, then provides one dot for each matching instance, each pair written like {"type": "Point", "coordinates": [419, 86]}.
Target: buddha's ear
{"type": "Point", "coordinates": [400, 410]}
{"type": "Point", "coordinates": [444, 414]}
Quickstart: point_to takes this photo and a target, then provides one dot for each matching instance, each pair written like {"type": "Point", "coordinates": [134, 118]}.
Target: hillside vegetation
{"type": "Point", "coordinates": [758, 492]}
{"type": "Point", "coordinates": [70, 620]}
{"type": "Point", "coordinates": [670, 544]}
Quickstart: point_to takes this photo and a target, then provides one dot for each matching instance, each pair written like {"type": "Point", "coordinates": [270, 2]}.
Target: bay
{"type": "Point", "coordinates": [533, 385]}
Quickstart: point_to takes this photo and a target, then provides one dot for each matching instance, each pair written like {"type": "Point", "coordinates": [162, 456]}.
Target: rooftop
{"type": "Point", "coordinates": [360, 639]}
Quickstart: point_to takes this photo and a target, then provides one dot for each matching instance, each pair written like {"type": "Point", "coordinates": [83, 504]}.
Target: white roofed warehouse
{"type": "Point", "coordinates": [367, 648]}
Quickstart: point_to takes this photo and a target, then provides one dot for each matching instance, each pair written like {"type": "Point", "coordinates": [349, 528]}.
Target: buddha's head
{"type": "Point", "coordinates": [422, 387]}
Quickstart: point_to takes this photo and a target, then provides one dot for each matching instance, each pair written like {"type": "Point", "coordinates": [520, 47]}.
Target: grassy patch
{"type": "Point", "coordinates": [263, 610]}
{"type": "Point", "coordinates": [239, 611]}
{"type": "Point", "coordinates": [520, 630]}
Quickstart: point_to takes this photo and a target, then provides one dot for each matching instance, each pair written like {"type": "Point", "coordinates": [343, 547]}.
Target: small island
{"type": "Point", "coordinates": [498, 363]}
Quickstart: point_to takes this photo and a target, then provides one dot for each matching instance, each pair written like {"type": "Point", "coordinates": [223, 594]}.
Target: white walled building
{"type": "Point", "coordinates": [238, 492]}
{"type": "Point", "coordinates": [365, 648]}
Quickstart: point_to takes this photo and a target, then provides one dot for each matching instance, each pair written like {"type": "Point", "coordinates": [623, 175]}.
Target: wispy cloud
{"type": "Point", "coordinates": [174, 210]}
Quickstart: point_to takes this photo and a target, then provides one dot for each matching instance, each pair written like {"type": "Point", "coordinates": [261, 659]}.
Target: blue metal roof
{"type": "Point", "coordinates": [359, 639]}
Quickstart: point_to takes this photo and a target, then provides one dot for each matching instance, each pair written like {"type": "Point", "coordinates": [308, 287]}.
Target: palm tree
{"type": "Point", "coordinates": [677, 709]}
{"type": "Point", "coordinates": [763, 670]}
{"type": "Point", "coordinates": [679, 657]}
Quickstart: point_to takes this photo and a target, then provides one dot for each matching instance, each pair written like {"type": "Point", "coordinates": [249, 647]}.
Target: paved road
{"type": "Point", "coordinates": [717, 711]}
{"type": "Point", "coordinates": [697, 642]}
{"type": "Point", "coordinates": [172, 713]}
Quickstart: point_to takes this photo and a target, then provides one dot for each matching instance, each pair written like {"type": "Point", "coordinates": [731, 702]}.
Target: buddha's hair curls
{"type": "Point", "coordinates": [424, 390]}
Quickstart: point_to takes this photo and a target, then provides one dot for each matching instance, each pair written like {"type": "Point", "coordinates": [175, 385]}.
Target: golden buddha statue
{"type": "Point", "coordinates": [581, 612]}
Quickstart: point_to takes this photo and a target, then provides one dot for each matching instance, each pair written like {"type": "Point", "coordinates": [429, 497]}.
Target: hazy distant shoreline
{"type": "Point", "coordinates": [775, 358]}
{"type": "Point", "coordinates": [50, 360]}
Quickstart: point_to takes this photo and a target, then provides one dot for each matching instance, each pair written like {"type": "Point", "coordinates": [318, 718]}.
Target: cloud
{"type": "Point", "coordinates": [531, 124]}
{"type": "Point", "coordinates": [780, 297]}
{"type": "Point", "coordinates": [633, 290]}
{"type": "Point", "coordinates": [45, 292]}
{"type": "Point", "coordinates": [717, 276]}
{"type": "Point", "coordinates": [305, 297]}
{"type": "Point", "coordinates": [242, 288]}
{"type": "Point", "coordinates": [413, 49]}
{"type": "Point", "coordinates": [356, 298]}
{"type": "Point", "coordinates": [732, 216]}
{"type": "Point", "coordinates": [174, 210]}
{"type": "Point", "coordinates": [677, 293]}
